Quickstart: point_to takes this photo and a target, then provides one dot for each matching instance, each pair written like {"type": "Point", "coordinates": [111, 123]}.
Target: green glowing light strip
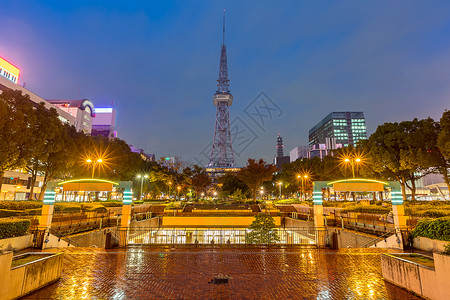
{"type": "Point", "coordinates": [317, 197]}
{"type": "Point", "coordinates": [88, 180]}
{"type": "Point", "coordinates": [358, 179]}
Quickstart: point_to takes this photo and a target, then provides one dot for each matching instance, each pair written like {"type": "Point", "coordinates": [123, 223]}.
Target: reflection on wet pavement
{"type": "Point", "coordinates": [186, 273]}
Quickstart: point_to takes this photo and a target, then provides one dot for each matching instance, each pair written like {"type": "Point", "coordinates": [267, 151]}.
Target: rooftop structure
{"type": "Point", "coordinates": [81, 109]}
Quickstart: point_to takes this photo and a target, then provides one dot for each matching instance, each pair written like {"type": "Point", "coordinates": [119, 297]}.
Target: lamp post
{"type": "Point", "coordinates": [304, 177]}
{"type": "Point", "coordinates": [178, 192]}
{"type": "Point", "coordinates": [95, 163]}
{"type": "Point", "coordinates": [142, 181]}
{"type": "Point", "coordinates": [352, 162]}
{"type": "Point", "coordinates": [169, 185]}
{"type": "Point", "coordinates": [279, 189]}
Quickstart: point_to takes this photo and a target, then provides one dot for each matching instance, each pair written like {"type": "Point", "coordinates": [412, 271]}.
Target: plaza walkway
{"type": "Point", "coordinates": [186, 273]}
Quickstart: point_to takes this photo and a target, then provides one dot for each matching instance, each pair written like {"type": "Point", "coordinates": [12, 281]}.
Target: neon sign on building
{"type": "Point", "coordinates": [9, 71]}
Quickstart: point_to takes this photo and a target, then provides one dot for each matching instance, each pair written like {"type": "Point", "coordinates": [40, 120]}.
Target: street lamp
{"type": "Point", "coordinates": [142, 181]}
{"type": "Point", "coordinates": [178, 193]}
{"type": "Point", "coordinates": [352, 162]}
{"type": "Point", "coordinates": [304, 177]}
{"type": "Point", "coordinates": [95, 163]}
{"type": "Point", "coordinates": [170, 184]}
{"type": "Point", "coordinates": [279, 188]}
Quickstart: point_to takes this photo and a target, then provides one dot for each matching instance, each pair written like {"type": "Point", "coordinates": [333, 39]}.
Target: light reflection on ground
{"type": "Point", "coordinates": [257, 273]}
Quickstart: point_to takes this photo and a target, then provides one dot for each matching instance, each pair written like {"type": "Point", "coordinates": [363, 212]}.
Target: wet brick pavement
{"type": "Point", "coordinates": [185, 273]}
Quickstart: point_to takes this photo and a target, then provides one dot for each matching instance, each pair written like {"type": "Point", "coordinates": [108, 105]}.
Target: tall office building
{"type": "Point", "coordinates": [104, 123]}
{"type": "Point", "coordinates": [346, 128]}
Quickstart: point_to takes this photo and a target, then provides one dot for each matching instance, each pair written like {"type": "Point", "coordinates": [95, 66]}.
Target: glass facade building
{"type": "Point", "coordinates": [347, 128]}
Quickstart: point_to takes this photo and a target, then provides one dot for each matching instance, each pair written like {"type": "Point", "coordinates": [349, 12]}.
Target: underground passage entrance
{"type": "Point", "coordinates": [219, 236]}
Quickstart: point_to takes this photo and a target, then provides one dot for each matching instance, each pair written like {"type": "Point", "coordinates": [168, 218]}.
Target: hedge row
{"type": "Point", "coordinates": [373, 209]}
{"type": "Point", "coordinates": [20, 205]}
{"type": "Point", "coordinates": [13, 228]}
{"type": "Point", "coordinates": [436, 229]}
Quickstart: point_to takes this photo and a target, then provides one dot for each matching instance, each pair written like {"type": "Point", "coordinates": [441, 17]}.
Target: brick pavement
{"type": "Point", "coordinates": [185, 273]}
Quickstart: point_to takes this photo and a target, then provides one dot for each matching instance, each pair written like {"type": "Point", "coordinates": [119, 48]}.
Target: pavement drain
{"type": "Point", "coordinates": [220, 278]}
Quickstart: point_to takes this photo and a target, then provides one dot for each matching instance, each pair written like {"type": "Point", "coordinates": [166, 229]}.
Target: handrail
{"type": "Point", "coordinates": [68, 240]}
{"type": "Point", "coordinates": [383, 236]}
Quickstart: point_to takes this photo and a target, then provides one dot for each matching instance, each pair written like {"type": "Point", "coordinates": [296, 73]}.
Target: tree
{"type": "Point", "coordinates": [44, 141]}
{"type": "Point", "coordinates": [402, 151]}
{"type": "Point", "coordinates": [199, 180]}
{"type": "Point", "coordinates": [262, 230]}
{"type": "Point", "coordinates": [442, 151]}
{"type": "Point", "coordinates": [255, 173]}
{"type": "Point", "coordinates": [230, 184]}
{"type": "Point", "coordinates": [16, 119]}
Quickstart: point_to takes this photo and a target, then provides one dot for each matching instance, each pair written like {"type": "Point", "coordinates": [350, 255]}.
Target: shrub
{"type": "Point", "coordinates": [446, 249]}
{"type": "Point", "coordinates": [110, 203]}
{"type": "Point", "coordinates": [436, 213]}
{"type": "Point", "coordinates": [67, 207]}
{"type": "Point", "coordinates": [5, 213]}
{"type": "Point", "coordinates": [373, 209]}
{"type": "Point", "coordinates": [13, 228]}
{"type": "Point", "coordinates": [437, 229]}
{"type": "Point", "coordinates": [20, 205]}
{"type": "Point", "coordinates": [91, 207]}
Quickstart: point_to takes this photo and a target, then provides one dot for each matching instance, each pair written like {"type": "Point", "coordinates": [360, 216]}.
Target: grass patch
{"type": "Point", "coordinates": [418, 259]}
{"type": "Point", "coordinates": [24, 259]}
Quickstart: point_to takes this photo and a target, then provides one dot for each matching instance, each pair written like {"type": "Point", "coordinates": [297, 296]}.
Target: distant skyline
{"type": "Point", "coordinates": [159, 62]}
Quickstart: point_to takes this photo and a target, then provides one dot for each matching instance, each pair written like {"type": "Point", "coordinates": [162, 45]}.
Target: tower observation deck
{"type": "Point", "coordinates": [222, 149]}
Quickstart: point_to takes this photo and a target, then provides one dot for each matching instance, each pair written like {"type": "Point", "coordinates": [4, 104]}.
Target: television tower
{"type": "Point", "coordinates": [222, 149]}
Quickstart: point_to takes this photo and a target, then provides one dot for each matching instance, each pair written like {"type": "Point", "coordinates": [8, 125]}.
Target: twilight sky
{"type": "Point", "coordinates": [158, 62]}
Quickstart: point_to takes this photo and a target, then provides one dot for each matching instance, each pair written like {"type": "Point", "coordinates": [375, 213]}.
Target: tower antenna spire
{"type": "Point", "coordinates": [223, 37]}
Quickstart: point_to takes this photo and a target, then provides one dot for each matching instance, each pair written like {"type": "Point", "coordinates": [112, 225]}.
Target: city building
{"type": "Point", "coordinates": [144, 156]}
{"type": "Point", "coordinates": [9, 71]}
{"type": "Point", "coordinates": [6, 83]}
{"type": "Point", "coordinates": [280, 159]}
{"type": "Point", "coordinates": [16, 185]}
{"type": "Point", "coordinates": [298, 152]}
{"type": "Point", "coordinates": [104, 122]}
{"type": "Point", "coordinates": [347, 128]}
{"type": "Point", "coordinates": [82, 110]}
{"type": "Point", "coordinates": [321, 150]}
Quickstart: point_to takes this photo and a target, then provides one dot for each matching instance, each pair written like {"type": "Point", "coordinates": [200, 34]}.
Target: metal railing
{"type": "Point", "coordinates": [224, 236]}
{"type": "Point", "coordinates": [379, 239]}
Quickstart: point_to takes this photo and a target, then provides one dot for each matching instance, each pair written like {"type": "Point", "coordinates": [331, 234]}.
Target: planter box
{"type": "Point", "coordinates": [431, 283]}
{"type": "Point", "coordinates": [429, 245]}
{"type": "Point", "coordinates": [29, 276]}
{"type": "Point", "coordinates": [17, 243]}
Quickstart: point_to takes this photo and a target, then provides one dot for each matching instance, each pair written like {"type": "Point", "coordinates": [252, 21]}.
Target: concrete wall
{"type": "Point", "coordinates": [17, 243]}
{"type": "Point", "coordinates": [346, 238]}
{"type": "Point", "coordinates": [429, 245]}
{"type": "Point", "coordinates": [216, 221]}
{"type": "Point", "coordinates": [424, 281]}
{"type": "Point", "coordinates": [351, 239]}
{"type": "Point", "coordinates": [27, 278]}
{"type": "Point", "coordinates": [153, 222]}
{"type": "Point", "coordinates": [391, 242]}
{"type": "Point", "coordinates": [95, 238]}
{"type": "Point", "coordinates": [289, 222]}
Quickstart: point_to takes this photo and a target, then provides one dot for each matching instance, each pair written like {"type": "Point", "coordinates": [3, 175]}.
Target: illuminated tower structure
{"type": "Point", "coordinates": [280, 146]}
{"type": "Point", "coordinates": [222, 149]}
{"type": "Point", "coordinates": [280, 159]}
